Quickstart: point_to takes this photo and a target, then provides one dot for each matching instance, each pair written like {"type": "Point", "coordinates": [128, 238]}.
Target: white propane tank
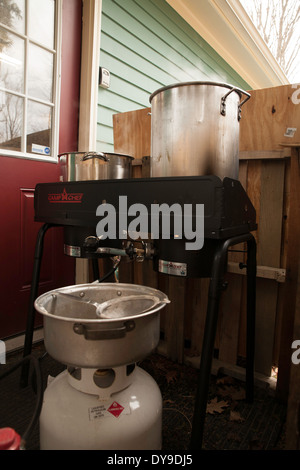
{"type": "Point", "coordinates": [128, 419]}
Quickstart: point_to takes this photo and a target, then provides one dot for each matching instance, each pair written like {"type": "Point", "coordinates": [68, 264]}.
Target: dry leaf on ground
{"type": "Point", "coordinates": [215, 406]}
{"type": "Point", "coordinates": [235, 416]}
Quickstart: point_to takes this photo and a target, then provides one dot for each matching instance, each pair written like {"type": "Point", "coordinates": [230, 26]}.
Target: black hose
{"type": "Point", "coordinates": [39, 391]}
{"type": "Point", "coordinates": [109, 273]}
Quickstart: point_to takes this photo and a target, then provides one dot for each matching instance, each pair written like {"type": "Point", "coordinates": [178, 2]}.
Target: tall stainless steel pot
{"type": "Point", "coordinates": [101, 324]}
{"type": "Point", "coordinates": [195, 129]}
{"type": "Point", "coordinates": [80, 166]}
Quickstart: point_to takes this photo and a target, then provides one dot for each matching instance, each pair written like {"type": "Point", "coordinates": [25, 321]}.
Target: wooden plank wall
{"type": "Point", "coordinates": [269, 172]}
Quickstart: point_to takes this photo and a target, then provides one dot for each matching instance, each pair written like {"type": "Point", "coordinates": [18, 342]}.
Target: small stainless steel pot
{"type": "Point", "coordinates": [76, 334]}
{"type": "Point", "coordinates": [82, 166]}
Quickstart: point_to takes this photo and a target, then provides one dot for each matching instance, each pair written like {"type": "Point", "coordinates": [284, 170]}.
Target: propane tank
{"type": "Point", "coordinates": [102, 409]}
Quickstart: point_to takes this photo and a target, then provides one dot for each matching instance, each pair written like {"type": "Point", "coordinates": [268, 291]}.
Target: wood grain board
{"type": "Point", "coordinates": [268, 117]}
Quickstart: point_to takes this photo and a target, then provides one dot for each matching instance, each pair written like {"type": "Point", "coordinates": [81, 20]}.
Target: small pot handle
{"type": "Point", "coordinates": [69, 153]}
{"type": "Point", "coordinates": [99, 155]}
{"type": "Point", "coordinates": [95, 335]}
{"type": "Point", "coordinates": [223, 101]}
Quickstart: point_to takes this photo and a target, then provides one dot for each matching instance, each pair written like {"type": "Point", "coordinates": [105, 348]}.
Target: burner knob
{"type": "Point", "coordinates": [91, 244]}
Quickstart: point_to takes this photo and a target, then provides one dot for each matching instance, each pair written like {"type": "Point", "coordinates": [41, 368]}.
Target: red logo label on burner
{"type": "Point", "coordinates": [65, 197]}
{"type": "Point", "coordinates": [115, 409]}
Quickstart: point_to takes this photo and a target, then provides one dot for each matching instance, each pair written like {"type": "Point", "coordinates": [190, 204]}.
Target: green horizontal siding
{"type": "Point", "coordinates": [145, 45]}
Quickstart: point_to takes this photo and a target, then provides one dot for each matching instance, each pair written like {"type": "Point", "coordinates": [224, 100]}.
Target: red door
{"type": "Point", "coordinates": [18, 178]}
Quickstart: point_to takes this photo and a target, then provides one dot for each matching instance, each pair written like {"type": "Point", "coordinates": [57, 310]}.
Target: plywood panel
{"type": "Point", "coordinates": [230, 316]}
{"type": "Point", "coordinates": [288, 291]}
{"type": "Point", "coordinates": [268, 254]}
{"type": "Point", "coordinates": [132, 133]}
{"type": "Point", "coordinates": [196, 306]}
{"type": "Point", "coordinates": [293, 417]}
{"type": "Point", "coordinates": [269, 117]}
{"type": "Point", "coordinates": [271, 212]}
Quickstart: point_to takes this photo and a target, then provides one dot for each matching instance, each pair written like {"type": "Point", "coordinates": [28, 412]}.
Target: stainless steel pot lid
{"type": "Point", "coordinates": [100, 302]}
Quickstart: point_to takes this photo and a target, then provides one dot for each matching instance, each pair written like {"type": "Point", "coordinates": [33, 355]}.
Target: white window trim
{"type": "Point", "coordinates": [56, 96]}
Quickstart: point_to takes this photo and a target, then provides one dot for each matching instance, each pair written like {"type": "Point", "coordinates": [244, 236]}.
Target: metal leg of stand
{"type": "Point", "coordinates": [214, 295]}
{"type": "Point", "coordinates": [251, 310]}
{"type": "Point", "coordinates": [33, 294]}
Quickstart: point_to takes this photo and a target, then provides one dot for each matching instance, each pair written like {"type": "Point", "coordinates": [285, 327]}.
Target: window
{"type": "Point", "coordinates": [28, 85]}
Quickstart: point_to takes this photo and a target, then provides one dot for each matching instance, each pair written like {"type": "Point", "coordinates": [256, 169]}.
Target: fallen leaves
{"type": "Point", "coordinates": [229, 393]}
{"type": "Point", "coordinates": [235, 416]}
{"type": "Point", "coordinates": [215, 406]}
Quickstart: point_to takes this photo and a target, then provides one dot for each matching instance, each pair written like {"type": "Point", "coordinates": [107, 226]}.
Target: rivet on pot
{"type": "Point", "coordinates": [78, 328]}
{"type": "Point", "coordinates": [129, 325]}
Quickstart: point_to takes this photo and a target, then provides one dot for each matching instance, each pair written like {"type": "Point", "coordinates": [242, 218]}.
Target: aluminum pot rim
{"type": "Point", "coordinates": [119, 155]}
{"type": "Point", "coordinates": [210, 83]}
{"type": "Point", "coordinates": [106, 153]}
{"type": "Point", "coordinates": [100, 321]}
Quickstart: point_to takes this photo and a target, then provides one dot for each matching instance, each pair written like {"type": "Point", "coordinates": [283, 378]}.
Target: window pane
{"type": "Point", "coordinates": [41, 21]}
{"type": "Point", "coordinates": [40, 73]}
{"type": "Point", "coordinates": [11, 61]}
{"type": "Point", "coordinates": [11, 119]}
{"type": "Point", "coordinates": [39, 123]}
{"type": "Point", "coordinates": [12, 14]}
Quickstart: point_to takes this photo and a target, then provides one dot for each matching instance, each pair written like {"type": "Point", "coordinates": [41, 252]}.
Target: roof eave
{"type": "Point", "coordinates": [226, 27]}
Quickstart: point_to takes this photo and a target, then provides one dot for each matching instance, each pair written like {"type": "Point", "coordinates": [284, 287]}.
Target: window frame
{"type": "Point", "coordinates": [56, 88]}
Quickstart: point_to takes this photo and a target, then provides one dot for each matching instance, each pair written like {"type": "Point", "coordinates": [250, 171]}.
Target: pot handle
{"type": "Point", "coordinates": [99, 155]}
{"type": "Point", "coordinates": [223, 101]}
{"type": "Point", "coordinates": [95, 335]}
{"type": "Point", "coordinates": [69, 153]}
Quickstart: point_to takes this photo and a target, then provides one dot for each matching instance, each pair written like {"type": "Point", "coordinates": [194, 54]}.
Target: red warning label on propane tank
{"type": "Point", "coordinates": [115, 409]}
{"type": "Point", "coordinates": [105, 410]}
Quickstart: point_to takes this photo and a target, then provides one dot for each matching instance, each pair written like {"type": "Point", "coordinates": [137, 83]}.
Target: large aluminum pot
{"type": "Point", "coordinates": [82, 166]}
{"type": "Point", "coordinates": [195, 129]}
{"type": "Point", "coordinates": [101, 325]}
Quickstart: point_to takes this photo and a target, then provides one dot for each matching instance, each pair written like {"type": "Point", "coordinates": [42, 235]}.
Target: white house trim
{"type": "Point", "coordinates": [91, 29]}
{"type": "Point", "coordinates": [225, 25]}
{"type": "Point", "coordinates": [87, 136]}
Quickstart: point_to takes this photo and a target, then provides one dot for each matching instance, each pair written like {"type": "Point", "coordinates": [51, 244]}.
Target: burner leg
{"type": "Point", "coordinates": [214, 294]}
{"type": "Point", "coordinates": [215, 290]}
{"type": "Point", "coordinates": [33, 294]}
{"type": "Point", "coordinates": [251, 310]}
